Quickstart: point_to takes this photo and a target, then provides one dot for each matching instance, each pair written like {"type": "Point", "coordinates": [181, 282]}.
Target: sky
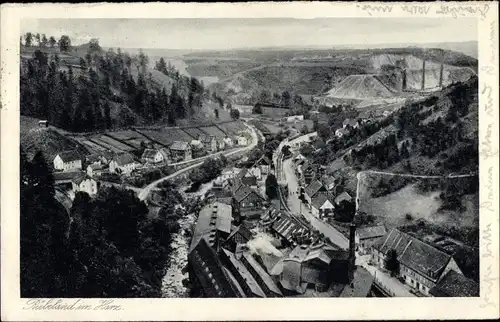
{"type": "Point", "coordinates": [213, 34]}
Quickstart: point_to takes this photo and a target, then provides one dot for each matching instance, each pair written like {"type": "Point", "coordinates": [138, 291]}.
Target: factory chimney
{"type": "Point", "coordinates": [403, 81]}
{"type": "Point", "coordinates": [423, 74]}
{"type": "Point", "coordinates": [352, 251]}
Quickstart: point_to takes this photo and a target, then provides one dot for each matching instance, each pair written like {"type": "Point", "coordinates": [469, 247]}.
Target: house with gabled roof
{"type": "Point", "coordinates": [152, 156]}
{"type": "Point", "coordinates": [209, 142]}
{"type": "Point", "coordinates": [454, 284]}
{"type": "Point", "coordinates": [248, 202]}
{"type": "Point", "coordinates": [180, 151]}
{"type": "Point", "coordinates": [123, 164]}
{"type": "Point", "coordinates": [68, 161]}
{"type": "Point", "coordinates": [84, 183]}
{"type": "Point", "coordinates": [421, 265]}
{"type": "Point", "coordinates": [313, 189]}
{"type": "Point", "coordinates": [96, 169]}
{"type": "Point", "coordinates": [264, 164]}
{"type": "Point", "coordinates": [344, 196]}
{"type": "Point", "coordinates": [322, 205]}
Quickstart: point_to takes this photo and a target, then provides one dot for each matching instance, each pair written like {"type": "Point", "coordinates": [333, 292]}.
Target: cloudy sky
{"type": "Point", "coordinates": [247, 33]}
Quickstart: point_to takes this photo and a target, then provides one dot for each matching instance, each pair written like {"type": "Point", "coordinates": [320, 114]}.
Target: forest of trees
{"type": "Point", "coordinates": [89, 255]}
{"type": "Point", "coordinates": [101, 92]}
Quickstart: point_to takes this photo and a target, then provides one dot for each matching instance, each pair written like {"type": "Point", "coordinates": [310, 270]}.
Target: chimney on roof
{"type": "Point", "coordinates": [352, 250]}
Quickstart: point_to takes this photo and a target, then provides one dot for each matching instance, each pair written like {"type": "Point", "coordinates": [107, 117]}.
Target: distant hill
{"type": "Point", "coordinates": [314, 72]}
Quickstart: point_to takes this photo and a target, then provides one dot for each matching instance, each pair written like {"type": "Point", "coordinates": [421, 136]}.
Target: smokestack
{"type": "Point", "coordinates": [441, 75]}
{"type": "Point", "coordinates": [423, 75]}
{"type": "Point", "coordinates": [352, 250]}
{"type": "Point", "coordinates": [404, 80]}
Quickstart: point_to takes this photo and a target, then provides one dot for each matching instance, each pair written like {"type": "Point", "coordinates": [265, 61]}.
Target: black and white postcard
{"type": "Point", "coordinates": [250, 161]}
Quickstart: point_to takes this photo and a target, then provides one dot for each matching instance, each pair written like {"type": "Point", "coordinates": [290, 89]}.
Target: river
{"type": "Point", "coordinates": [172, 281]}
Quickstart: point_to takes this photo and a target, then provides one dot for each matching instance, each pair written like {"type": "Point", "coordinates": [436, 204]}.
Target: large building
{"type": "Point", "coordinates": [213, 225]}
{"type": "Point", "coordinates": [68, 161]}
{"type": "Point", "coordinates": [421, 265]}
{"type": "Point", "coordinates": [123, 164]}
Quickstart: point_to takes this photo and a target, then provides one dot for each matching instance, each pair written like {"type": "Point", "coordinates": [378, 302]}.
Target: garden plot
{"type": "Point", "coordinates": [176, 134]}
{"type": "Point", "coordinates": [115, 143]}
{"type": "Point", "coordinates": [158, 137]}
{"type": "Point", "coordinates": [103, 144]}
{"type": "Point", "coordinates": [212, 130]}
{"type": "Point", "coordinates": [193, 132]}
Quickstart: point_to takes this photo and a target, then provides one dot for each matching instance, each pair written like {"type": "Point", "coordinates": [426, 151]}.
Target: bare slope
{"type": "Point", "coordinates": [361, 87]}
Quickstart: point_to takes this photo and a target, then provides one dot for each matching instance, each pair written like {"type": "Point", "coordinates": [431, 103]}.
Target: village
{"type": "Point", "coordinates": [246, 244]}
{"type": "Point", "coordinates": [74, 172]}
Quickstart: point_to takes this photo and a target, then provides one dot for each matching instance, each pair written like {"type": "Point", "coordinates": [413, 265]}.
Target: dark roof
{"type": "Point", "coordinates": [361, 284]}
{"type": "Point", "coordinates": [264, 160]}
{"type": "Point", "coordinates": [313, 188]}
{"type": "Point", "coordinates": [371, 232]}
{"type": "Point", "coordinates": [68, 156]}
{"type": "Point", "coordinates": [454, 284]}
{"type": "Point", "coordinates": [287, 226]}
{"type": "Point", "coordinates": [414, 253]}
{"type": "Point", "coordinates": [260, 274]}
{"type": "Point", "coordinates": [213, 277]}
{"type": "Point", "coordinates": [244, 275]}
{"type": "Point", "coordinates": [241, 230]}
{"type": "Point", "coordinates": [212, 217]}
{"type": "Point", "coordinates": [96, 166]}
{"type": "Point", "coordinates": [206, 138]}
{"type": "Point", "coordinates": [320, 199]}
{"type": "Point", "coordinates": [343, 196]}
{"type": "Point", "coordinates": [65, 176]}
{"type": "Point", "coordinates": [179, 145]}
{"type": "Point", "coordinates": [149, 153]}
{"type": "Point", "coordinates": [243, 192]}
{"type": "Point", "coordinates": [123, 159]}
{"type": "Point", "coordinates": [80, 178]}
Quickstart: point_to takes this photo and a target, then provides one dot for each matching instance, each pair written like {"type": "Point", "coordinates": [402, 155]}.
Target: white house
{"type": "Point", "coordinates": [152, 156]}
{"type": "Point", "coordinates": [122, 164]}
{"type": "Point", "coordinates": [322, 205]}
{"type": "Point", "coordinates": [256, 172]}
{"type": "Point", "coordinates": [95, 169]}
{"type": "Point", "coordinates": [68, 161]}
{"type": "Point", "coordinates": [228, 142]}
{"type": "Point", "coordinates": [84, 183]}
{"type": "Point", "coordinates": [341, 132]}
{"type": "Point", "coordinates": [241, 140]}
{"type": "Point", "coordinates": [293, 118]}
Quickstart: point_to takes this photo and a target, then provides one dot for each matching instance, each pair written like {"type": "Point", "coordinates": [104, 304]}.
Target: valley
{"type": "Point", "coordinates": [207, 153]}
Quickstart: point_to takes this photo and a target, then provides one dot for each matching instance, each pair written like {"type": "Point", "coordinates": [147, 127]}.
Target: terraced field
{"type": "Point", "coordinates": [213, 130]}
{"type": "Point", "coordinates": [193, 131]}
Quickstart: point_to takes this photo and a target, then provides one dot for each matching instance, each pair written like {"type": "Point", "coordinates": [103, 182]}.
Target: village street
{"type": "Point", "coordinates": [390, 284]}
{"type": "Point", "coordinates": [296, 207]}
